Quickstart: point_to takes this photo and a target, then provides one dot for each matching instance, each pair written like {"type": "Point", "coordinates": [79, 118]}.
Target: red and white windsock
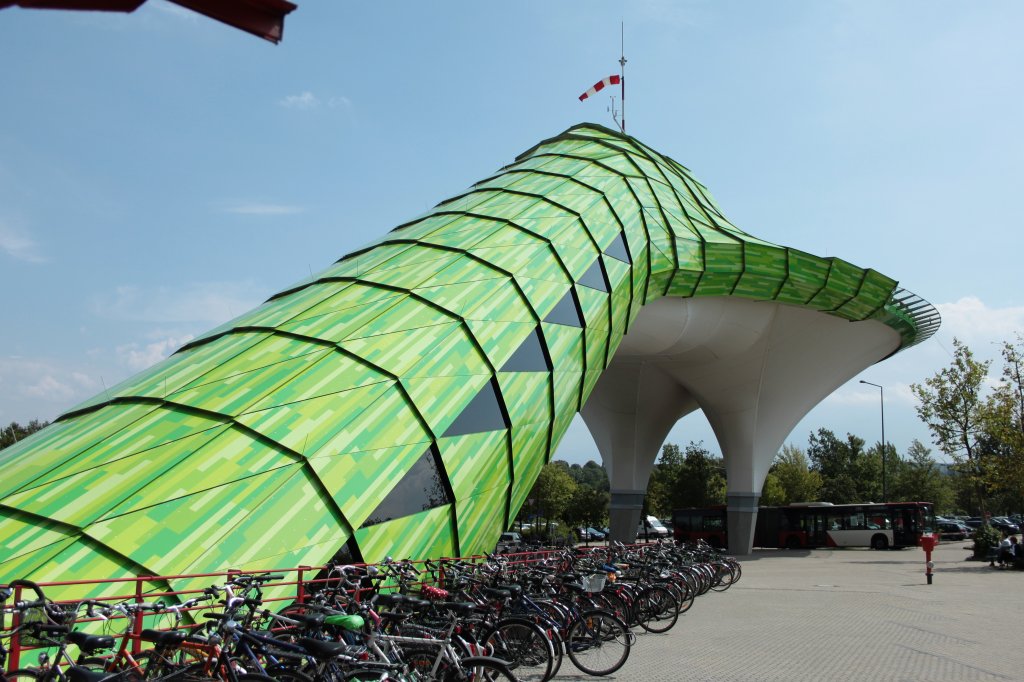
{"type": "Point", "coordinates": [600, 85]}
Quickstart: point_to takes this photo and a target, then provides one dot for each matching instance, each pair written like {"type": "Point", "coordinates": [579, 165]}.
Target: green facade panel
{"type": "Point", "coordinates": [402, 401]}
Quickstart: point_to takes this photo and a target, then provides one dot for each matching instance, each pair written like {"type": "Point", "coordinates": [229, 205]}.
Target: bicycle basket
{"type": "Point", "coordinates": [595, 582]}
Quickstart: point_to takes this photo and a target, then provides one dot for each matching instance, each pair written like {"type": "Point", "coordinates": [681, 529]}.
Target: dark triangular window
{"type": "Point", "coordinates": [423, 487]}
{"type": "Point", "coordinates": [566, 312]}
{"type": "Point", "coordinates": [529, 357]}
{"type": "Point", "coordinates": [594, 278]}
{"type": "Point", "coordinates": [618, 249]}
{"type": "Point", "coordinates": [348, 554]}
{"type": "Point", "coordinates": [483, 413]}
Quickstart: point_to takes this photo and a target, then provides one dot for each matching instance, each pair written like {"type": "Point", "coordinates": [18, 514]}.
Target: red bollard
{"type": "Point", "coordinates": [928, 542]}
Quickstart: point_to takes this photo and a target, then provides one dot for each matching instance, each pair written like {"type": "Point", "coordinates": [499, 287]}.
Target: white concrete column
{"type": "Point", "coordinates": [629, 413]}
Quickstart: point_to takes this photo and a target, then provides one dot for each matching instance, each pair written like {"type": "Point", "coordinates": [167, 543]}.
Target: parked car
{"type": "Point", "coordinates": [509, 542]}
{"type": "Point", "coordinates": [953, 530]}
{"type": "Point", "coordinates": [1004, 525]}
{"type": "Point", "coordinates": [590, 534]}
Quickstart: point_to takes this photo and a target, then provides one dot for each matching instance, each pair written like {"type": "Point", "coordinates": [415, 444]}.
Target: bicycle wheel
{"type": "Point", "coordinates": [482, 669]}
{"type": "Point", "coordinates": [659, 610]}
{"type": "Point", "coordinates": [598, 643]}
{"type": "Point", "coordinates": [722, 577]}
{"type": "Point", "coordinates": [687, 601]}
{"type": "Point", "coordinates": [20, 675]}
{"type": "Point", "coordinates": [525, 647]}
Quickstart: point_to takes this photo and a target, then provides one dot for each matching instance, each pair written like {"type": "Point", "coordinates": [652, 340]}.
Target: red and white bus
{"type": "Point", "coordinates": [816, 524]}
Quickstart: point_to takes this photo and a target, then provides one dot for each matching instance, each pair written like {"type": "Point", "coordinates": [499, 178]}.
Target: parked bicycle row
{"type": "Point", "coordinates": [502, 617]}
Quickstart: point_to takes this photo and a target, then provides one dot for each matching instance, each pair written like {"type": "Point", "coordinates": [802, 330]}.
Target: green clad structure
{"type": "Point", "coordinates": [402, 401]}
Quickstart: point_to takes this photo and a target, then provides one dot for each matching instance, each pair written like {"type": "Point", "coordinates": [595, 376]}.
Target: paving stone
{"type": "Point", "coordinates": [845, 614]}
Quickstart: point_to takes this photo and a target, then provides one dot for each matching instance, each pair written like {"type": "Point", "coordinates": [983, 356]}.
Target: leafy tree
{"type": "Point", "coordinates": [701, 479]}
{"type": "Point", "coordinates": [773, 493]}
{"type": "Point", "coordinates": [587, 507]}
{"type": "Point", "coordinates": [951, 404]}
{"type": "Point", "coordinates": [591, 475]}
{"type": "Point", "coordinates": [796, 481]}
{"type": "Point", "coordinates": [15, 432]}
{"type": "Point", "coordinates": [836, 462]}
{"type": "Point", "coordinates": [917, 478]}
{"type": "Point", "coordinates": [866, 468]}
{"type": "Point", "coordinates": [662, 496]}
{"type": "Point", "coordinates": [553, 490]}
{"type": "Point", "coordinates": [1005, 429]}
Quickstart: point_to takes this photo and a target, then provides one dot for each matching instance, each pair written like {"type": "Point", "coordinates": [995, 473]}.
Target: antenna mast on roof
{"type": "Point", "coordinates": [622, 71]}
{"type": "Point", "coordinates": [615, 79]}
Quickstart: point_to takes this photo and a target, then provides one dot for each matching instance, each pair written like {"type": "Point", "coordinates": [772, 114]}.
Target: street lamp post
{"type": "Point", "coordinates": [881, 398]}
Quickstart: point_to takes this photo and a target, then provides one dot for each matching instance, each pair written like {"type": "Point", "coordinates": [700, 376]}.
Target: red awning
{"type": "Point", "coordinates": [263, 18]}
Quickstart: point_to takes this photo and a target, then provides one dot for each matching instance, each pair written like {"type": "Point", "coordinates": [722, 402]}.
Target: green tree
{"type": "Point", "coordinates": [701, 479]}
{"type": "Point", "coordinates": [553, 490]}
{"type": "Point", "coordinates": [587, 507]}
{"type": "Point", "coordinates": [1005, 430]}
{"type": "Point", "coordinates": [951, 405]}
{"type": "Point", "coordinates": [918, 479]}
{"type": "Point", "coordinates": [662, 496]}
{"type": "Point", "coordinates": [15, 432]}
{"type": "Point", "coordinates": [796, 481]}
{"type": "Point", "coordinates": [842, 475]}
{"type": "Point", "coordinates": [590, 475]}
{"type": "Point", "coordinates": [866, 468]}
{"type": "Point", "coordinates": [773, 494]}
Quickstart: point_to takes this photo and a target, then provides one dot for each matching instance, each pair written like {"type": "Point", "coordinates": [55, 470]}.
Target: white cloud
{"type": "Point", "coordinates": [49, 388]}
{"type": "Point", "coordinates": [18, 245]}
{"type": "Point", "coordinates": [973, 322]}
{"type": "Point", "coordinates": [263, 209]}
{"type": "Point", "coordinates": [84, 381]}
{"type": "Point", "coordinates": [859, 395]}
{"type": "Point", "coordinates": [303, 101]}
{"type": "Point", "coordinates": [307, 101]}
{"type": "Point", "coordinates": [35, 388]}
{"type": "Point", "coordinates": [206, 302]}
{"type": "Point", "coordinates": [140, 357]}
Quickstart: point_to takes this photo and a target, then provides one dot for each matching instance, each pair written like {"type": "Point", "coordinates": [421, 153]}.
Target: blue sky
{"type": "Point", "coordinates": [161, 172]}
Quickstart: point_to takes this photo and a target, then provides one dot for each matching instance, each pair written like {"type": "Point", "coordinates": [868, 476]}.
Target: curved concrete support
{"type": "Point", "coordinates": [630, 412]}
{"type": "Point", "coordinates": [754, 367]}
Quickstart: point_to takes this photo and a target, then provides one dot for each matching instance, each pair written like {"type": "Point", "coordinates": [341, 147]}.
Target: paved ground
{"type": "Point", "coordinates": [858, 615]}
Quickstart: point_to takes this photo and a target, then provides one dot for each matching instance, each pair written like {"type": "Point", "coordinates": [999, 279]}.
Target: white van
{"type": "Point", "coordinates": [651, 527]}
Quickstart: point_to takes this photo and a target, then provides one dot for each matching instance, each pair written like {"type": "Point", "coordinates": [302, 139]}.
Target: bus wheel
{"type": "Point", "coordinates": [792, 542]}
{"type": "Point", "coordinates": [879, 542]}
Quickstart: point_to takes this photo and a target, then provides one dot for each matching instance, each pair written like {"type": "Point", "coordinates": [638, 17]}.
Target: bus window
{"type": "Point", "coordinates": [878, 522]}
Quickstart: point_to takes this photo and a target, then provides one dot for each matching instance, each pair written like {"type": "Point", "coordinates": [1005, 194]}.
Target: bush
{"type": "Point", "coordinates": [985, 538]}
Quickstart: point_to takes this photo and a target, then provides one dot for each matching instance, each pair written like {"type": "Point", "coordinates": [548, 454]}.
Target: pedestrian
{"type": "Point", "coordinates": [1006, 549]}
